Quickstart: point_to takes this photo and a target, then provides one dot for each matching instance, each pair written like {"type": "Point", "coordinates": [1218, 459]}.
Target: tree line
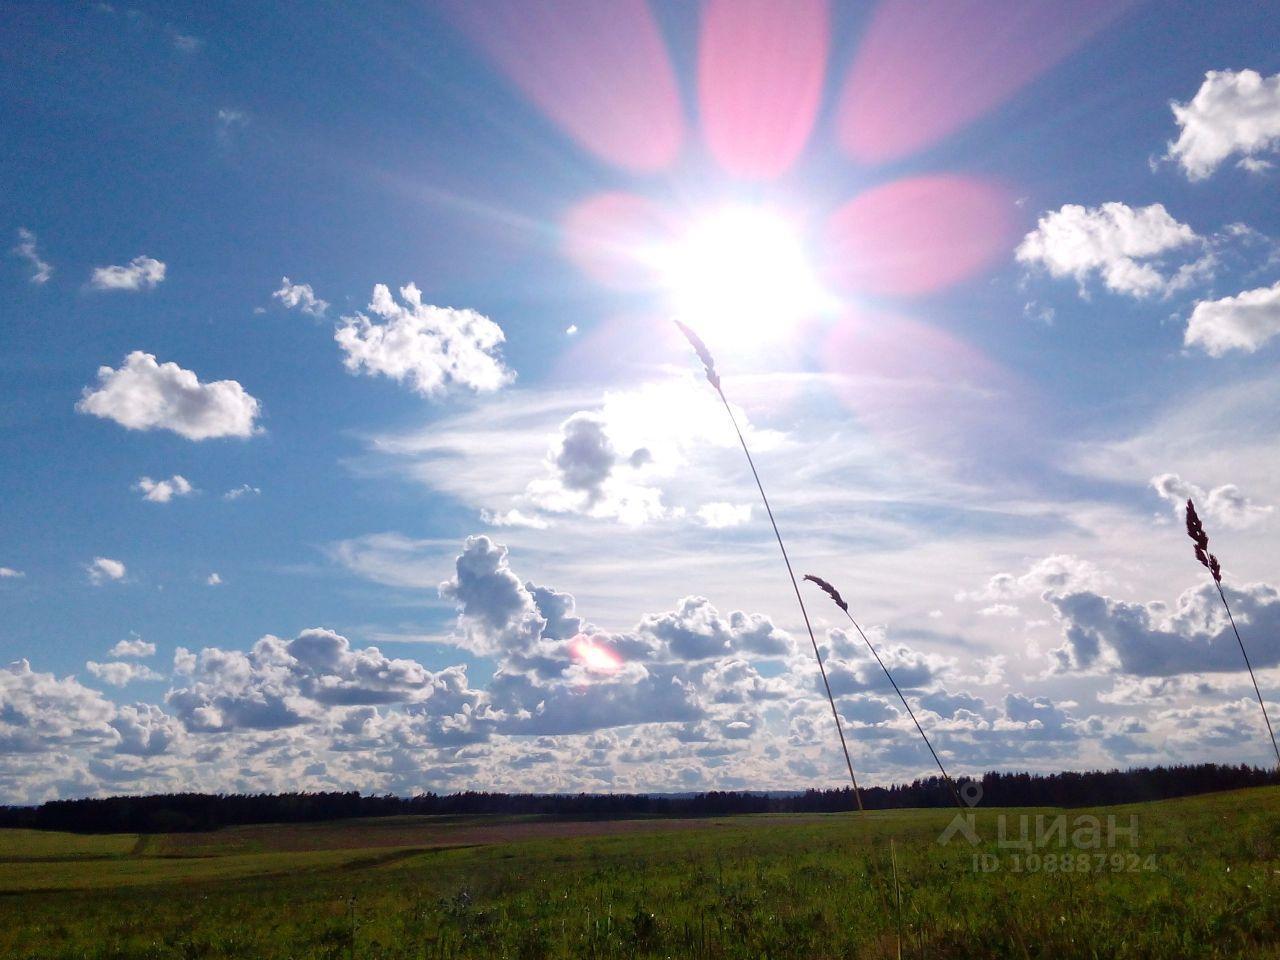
{"type": "Point", "coordinates": [178, 812]}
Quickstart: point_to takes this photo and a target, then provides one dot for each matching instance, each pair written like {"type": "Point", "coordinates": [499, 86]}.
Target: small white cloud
{"type": "Point", "coordinates": [133, 648]}
{"type": "Point", "coordinates": [1039, 313]}
{"type": "Point", "coordinates": [1116, 242]}
{"type": "Point", "coordinates": [1243, 322]}
{"type": "Point", "coordinates": [1254, 165]}
{"type": "Point", "coordinates": [719, 515]}
{"type": "Point", "coordinates": [227, 122]}
{"type": "Point", "coordinates": [119, 674]}
{"type": "Point", "coordinates": [571, 329]}
{"type": "Point", "coordinates": [300, 296]}
{"type": "Point", "coordinates": [7, 573]}
{"type": "Point", "coordinates": [244, 490]}
{"type": "Point", "coordinates": [1053, 575]}
{"type": "Point", "coordinates": [186, 42]}
{"type": "Point", "coordinates": [104, 569]}
{"type": "Point", "coordinates": [1233, 112]}
{"type": "Point", "coordinates": [162, 491]}
{"type": "Point", "coordinates": [432, 348]}
{"type": "Point", "coordinates": [142, 273]}
{"type": "Point", "coordinates": [513, 518]}
{"type": "Point", "coordinates": [41, 270]}
{"type": "Point", "coordinates": [214, 580]}
{"type": "Point", "coordinates": [999, 610]}
{"type": "Point", "coordinates": [145, 395]}
{"type": "Point", "coordinates": [1226, 504]}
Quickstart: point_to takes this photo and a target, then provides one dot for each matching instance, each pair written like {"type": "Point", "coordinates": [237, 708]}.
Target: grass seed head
{"type": "Point", "coordinates": [829, 590]}
{"type": "Point", "coordinates": [1195, 530]}
{"type": "Point", "coordinates": [708, 362]}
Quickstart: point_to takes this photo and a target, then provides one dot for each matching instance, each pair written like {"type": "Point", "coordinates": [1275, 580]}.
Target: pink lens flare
{"type": "Point", "coordinates": [916, 236]}
{"type": "Point", "coordinates": [761, 65]}
{"type": "Point", "coordinates": [895, 373]}
{"type": "Point", "coordinates": [614, 237]}
{"type": "Point", "coordinates": [598, 70]}
{"type": "Point", "coordinates": [926, 68]}
{"type": "Point", "coordinates": [595, 656]}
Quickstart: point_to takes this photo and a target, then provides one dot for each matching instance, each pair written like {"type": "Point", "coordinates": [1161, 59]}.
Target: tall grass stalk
{"type": "Point", "coordinates": [1195, 530]}
{"type": "Point", "coordinates": [897, 895]}
{"type": "Point", "coordinates": [714, 379]}
{"type": "Point", "coordinates": [834, 594]}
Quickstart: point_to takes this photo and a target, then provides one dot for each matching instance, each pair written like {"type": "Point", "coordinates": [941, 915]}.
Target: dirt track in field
{"type": "Point", "coordinates": [421, 832]}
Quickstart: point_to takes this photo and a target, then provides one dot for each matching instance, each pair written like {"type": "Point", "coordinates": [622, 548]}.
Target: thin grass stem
{"type": "Point", "coordinates": [835, 714]}
{"type": "Point", "coordinates": [1249, 667]}
{"type": "Point", "coordinates": [1196, 531]}
{"type": "Point", "coordinates": [714, 379]}
{"type": "Point", "coordinates": [834, 594]}
{"type": "Point", "coordinates": [897, 895]}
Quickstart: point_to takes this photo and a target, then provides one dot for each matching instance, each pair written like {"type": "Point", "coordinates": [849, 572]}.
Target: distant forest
{"type": "Point", "coordinates": [177, 812]}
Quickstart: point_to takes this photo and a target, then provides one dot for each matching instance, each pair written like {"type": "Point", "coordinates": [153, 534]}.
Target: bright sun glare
{"type": "Point", "coordinates": [597, 658]}
{"type": "Point", "coordinates": [741, 271]}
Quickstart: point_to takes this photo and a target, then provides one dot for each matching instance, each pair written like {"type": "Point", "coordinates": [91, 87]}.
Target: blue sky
{"type": "Point", "coordinates": [994, 288]}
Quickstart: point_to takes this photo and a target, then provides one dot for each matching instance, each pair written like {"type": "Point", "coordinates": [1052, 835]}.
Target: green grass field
{"type": "Point", "coordinates": [1202, 880]}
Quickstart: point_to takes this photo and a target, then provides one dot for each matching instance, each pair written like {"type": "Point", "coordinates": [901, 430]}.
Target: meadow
{"type": "Point", "coordinates": [1199, 878]}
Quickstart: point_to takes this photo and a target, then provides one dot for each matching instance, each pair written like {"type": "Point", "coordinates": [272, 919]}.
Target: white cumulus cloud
{"type": "Point", "coordinates": [1233, 112]}
{"type": "Point", "coordinates": [41, 711]}
{"type": "Point", "coordinates": [162, 491]}
{"type": "Point", "coordinates": [146, 395]}
{"type": "Point", "coordinates": [141, 273]}
{"type": "Point", "coordinates": [431, 348]}
{"type": "Point", "coordinates": [1243, 322]}
{"type": "Point", "coordinates": [117, 673]}
{"type": "Point", "coordinates": [589, 474]}
{"type": "Point", "coordinates": [1119, 243]}
{"type": "Point", "coordinates": [104, 569]}
{"type": "Point", "coordinates": [133, 647]}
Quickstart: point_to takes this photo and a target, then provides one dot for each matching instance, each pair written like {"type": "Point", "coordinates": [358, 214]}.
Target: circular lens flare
{"type": "Point", "coordinates": [596, 657]}
{"type": "Point", "coordinates": [741, 273]}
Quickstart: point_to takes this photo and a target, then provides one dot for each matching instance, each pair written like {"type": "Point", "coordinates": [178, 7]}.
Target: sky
{"type": "Point", "coordinates": [347, 441]}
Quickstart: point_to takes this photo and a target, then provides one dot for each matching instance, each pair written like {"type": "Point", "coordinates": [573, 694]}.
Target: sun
{"type": "Point", "coordinates": [741, 274]}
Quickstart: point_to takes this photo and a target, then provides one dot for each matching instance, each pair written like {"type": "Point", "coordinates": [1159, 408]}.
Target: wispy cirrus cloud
{"type": "Point", "coordinates": [41, 269]}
